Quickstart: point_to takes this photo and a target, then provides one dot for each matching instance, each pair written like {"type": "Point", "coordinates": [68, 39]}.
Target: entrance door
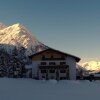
{"type": "Point", "coordinates": [57, 75]}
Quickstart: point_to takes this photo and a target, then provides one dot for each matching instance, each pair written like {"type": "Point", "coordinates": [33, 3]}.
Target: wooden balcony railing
{"type": "Point", "coordinates": [53, 66]}
{"type": "Point", "coordinates": [53, 58]}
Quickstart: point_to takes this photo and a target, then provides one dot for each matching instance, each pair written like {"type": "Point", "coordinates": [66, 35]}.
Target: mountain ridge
{"type": "Point", "coordinates": [91, 65]}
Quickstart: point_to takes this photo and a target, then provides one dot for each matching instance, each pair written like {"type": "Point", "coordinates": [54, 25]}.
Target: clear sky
{"type": "Point", "coordinates": [72, 26]}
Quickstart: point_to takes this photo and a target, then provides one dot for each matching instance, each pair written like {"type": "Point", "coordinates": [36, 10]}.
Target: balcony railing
{"type": "Point", "coordinates": [53, 58]}
{"type": "Point", "coordinates": [53, 66]}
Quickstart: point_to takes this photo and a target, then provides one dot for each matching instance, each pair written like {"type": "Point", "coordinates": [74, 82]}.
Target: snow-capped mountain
{"type": "Point", "coordinates": [91, 65]}
{"type": "Point", "coordinates": [16, 45]}
{"type": "Point", "coordinates": [18, 36]}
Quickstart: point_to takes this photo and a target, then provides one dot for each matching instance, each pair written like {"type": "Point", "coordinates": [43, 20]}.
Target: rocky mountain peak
{"type": "Point", "coordinates": [18, 36]}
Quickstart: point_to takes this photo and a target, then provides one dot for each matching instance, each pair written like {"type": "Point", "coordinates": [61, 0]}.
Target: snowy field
{"type": "Point", "coordinates": [29, 89]}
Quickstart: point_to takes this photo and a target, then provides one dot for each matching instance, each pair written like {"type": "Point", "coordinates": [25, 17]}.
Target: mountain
{"type": "Point", "coordinates": [92, 65]}
{"type": "Point", "coordinates": [18, 36]}
{"type": "Point", "coordinates": [16, 45]}
{"type": "Point", "coordinates": [2, 26]}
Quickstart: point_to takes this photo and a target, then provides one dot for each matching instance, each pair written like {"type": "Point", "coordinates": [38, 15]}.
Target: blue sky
{"type": "Point", "coordinates": [72, 26]}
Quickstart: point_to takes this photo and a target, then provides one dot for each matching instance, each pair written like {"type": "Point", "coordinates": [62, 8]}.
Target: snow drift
{"type": "Point", "coordinates": [29, 89]}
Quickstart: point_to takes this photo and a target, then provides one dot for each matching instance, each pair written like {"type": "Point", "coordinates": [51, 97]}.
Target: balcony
{"type": "Point", "coordinates": [53, 58]}
{"type": "Point", "coordinates": [53, 66]}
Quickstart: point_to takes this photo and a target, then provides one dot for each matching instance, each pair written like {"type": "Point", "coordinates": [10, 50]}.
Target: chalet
{"type": "Point", "coordinates": [54, 64]}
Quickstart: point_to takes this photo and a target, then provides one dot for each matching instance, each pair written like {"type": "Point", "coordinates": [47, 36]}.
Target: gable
{"type": "Point", "coordinates": [48, 54]}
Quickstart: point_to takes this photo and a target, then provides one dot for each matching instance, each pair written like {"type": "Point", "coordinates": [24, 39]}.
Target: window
{"type": "Point", "coordinates": [51, 63]}
{"type": "Point", "coordinates": [62, 63]}
{"type": "Point", "coordinates": [63, 78]}
{"type": "Point", "coordinates": [51, 56]}
{"type": "Point", "coordinates": [52, 77]}
{"type": "Point", "coordinates": [43, 57]}
{"type": "Point", "coordinates": [43, 76]}
{"type": "Point", "coordinates": [52, 71]}
{"type": "Point", "coordinates": [43, 63]}
{"type": "Point", "coordinates": [62, 71]}
{"type": "Point", "coordinates": [63, 57]}
{"type": "Point", "coordinates": [43, 71]}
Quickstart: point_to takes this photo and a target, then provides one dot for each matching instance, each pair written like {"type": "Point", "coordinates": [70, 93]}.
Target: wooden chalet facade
{"type": "Point", "coordinates": [54, 64]}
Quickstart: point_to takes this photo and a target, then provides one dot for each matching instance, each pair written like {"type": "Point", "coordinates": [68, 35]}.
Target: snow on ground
{"type": "Point", "coordinates": [29, 89]}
